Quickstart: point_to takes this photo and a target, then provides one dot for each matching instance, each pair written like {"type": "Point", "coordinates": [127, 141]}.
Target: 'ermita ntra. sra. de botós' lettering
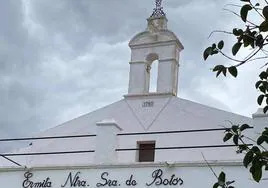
{"type": "Point", "coordinates": [105, 179]}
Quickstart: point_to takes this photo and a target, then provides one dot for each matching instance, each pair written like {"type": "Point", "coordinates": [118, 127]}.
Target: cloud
{"type": "Point", "coordinates": [61, 59]}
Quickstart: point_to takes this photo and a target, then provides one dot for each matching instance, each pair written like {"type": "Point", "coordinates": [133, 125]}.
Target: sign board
{"type": "Point", "coordinates": [128, 176]}
{"type": "Point", "coordinates": [93, 178]}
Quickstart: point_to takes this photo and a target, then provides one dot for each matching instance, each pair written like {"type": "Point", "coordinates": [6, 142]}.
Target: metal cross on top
{"type": "Point", "coordinates": [158, 10]}
{"type": "Point", "coordinates": [158, 3]}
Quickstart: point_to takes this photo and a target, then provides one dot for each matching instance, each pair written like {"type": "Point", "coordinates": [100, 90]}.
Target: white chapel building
{"type": "Point", "coordinates": [147, 139]}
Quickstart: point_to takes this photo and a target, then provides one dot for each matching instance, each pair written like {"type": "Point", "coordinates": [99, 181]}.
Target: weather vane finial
{"type": "Point", "coordinates": [158, 10]}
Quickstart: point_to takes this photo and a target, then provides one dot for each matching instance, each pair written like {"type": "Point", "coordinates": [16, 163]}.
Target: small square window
{"type": "Point", "coordinates": [146, 151]}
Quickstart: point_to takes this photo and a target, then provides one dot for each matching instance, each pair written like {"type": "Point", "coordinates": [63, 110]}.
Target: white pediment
{"type": "Point", "coordinates": [147, 37]}
{"type": "Point", "coordinates": [147, 110]}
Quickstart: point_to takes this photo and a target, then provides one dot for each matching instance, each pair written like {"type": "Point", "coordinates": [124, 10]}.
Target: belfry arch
{"type": "Point", "coordinates": [155, 45]}
{"type": "Point", "coordinates": [152, 71]}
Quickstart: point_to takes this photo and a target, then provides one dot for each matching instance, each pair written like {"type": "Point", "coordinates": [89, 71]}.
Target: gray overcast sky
{"type": "Point", "coordinates": [63, 58]}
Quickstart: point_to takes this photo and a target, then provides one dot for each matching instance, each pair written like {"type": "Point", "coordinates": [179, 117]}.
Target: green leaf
{"type": "Point", "coordinates": [266, 140]}
{"type": "Point", "coordinates": [218, 73]}
{"type": "Point", "coordinates": [251, 170]}
{"type": "Point", "coordinates": [233, 71]}
{"type": "Point", "coordinates": [259, 40]}
{"type": "Point", "coordinates": [260, 99]}
{"type": "Point", "coordinates": [216, 185]}
{"type": "Point", "coordinates": [244, 127]}
{"type": "Point", "coordinates": [240, 31]}
{"type": "Point", "coordinates": [260, 140]}
{"type": "Point", "coordinates": [236, 48]}
{"type": "Point", "coordinates": [219, 69]}
{"type": "Point", "coordinates": [224, 72]}
{"type": "Point", "coordinates": [257, 85]}
{"type": "Point", "coordinates": [215, 51]}
{"type": "Point", "coordinates": [253, 33]}
{"type": "Point", "coordinates": [248, 40]}
{"type": "Point", "coordinates": [263, 75]}
{"type": "Point", "coordinates": [244, 12]}
{"type": "Point", "coordinates": [235, 128]}
{"type": "Point", "coordinates": [236, 32]}
{"type": "Point", "coordinates": [265, 154]}
{"type": "Point", "coordinates": [265, 109]}
{"type": "Point", "coordinates": [207, 52]}
{"type": "Point", "coordinates": [265, 132]}
{"type": "Point", "coordinates": [265, 85]}
{"type": "Point", "coordinates": [248, 158]}
{"type": "Point", "coordinates": [257, 172]}
{"type": "Point", "coordinates": [243, 147]}
{"type": "Point", "coordinates": [257, 175]}
{"type": "Point", "coordinates": [255, 149]}
{"type": "Point", "coordinates": [221, 44]}
{"type": "Point", "coordinates": [262, 89]}
{"type": "Point", "coordinates": [265, 12]}
{"type": "Point", "coordinates": [264, 26]}
{"type": "Point", "coordinates": [235, 139]}
{"type": "Point", "coordinates": [222, 177]}
{"type": "Point", "coordinates": [227, 137]}
{"type": "Point", "coordinates": [229, 182]}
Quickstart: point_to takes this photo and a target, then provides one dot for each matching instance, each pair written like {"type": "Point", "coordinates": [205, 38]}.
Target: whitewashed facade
{"type": "Point", "coordinates": [181, 130]}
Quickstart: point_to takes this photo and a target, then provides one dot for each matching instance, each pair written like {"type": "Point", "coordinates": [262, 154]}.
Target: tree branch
{"type": "Point", "coordinates": [256, 10]}
{"type": "Point", "coordinates": [258, 58]}
{"type": "Point", "coordinates": [233, 5]}
{"type": "Point", "coordinates": [255, 142]}
{"type": "Point", "coordinates": [219, 31]}
{"type": "Point", "coordinates": [246, 60]}
{"type": "Point", "coordinates": [209, 166]}
{"type": "Point", "coordinates": [236, 60]}
{"type": "Point", "coordinates": [264, 51]}
{"type": "Point", "coordinates": [264, 65]}
{"type": "Point", "coordinates": [239, 16]}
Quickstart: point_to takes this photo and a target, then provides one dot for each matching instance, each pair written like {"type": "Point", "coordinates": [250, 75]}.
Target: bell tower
{"type": "Point", "coordinates": [156, 43]}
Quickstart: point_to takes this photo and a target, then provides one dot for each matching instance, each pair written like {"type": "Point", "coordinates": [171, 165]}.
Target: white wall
{"type": "Point", "coordinates": [192, 175]}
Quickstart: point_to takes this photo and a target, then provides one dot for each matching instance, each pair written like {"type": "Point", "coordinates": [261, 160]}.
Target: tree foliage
{"type": "Point", "coordinates": [255, 158]}
{"type": "Point", "coordinates": [252, 39]}
{"type": "Point", "coordinates": [256, 155]}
